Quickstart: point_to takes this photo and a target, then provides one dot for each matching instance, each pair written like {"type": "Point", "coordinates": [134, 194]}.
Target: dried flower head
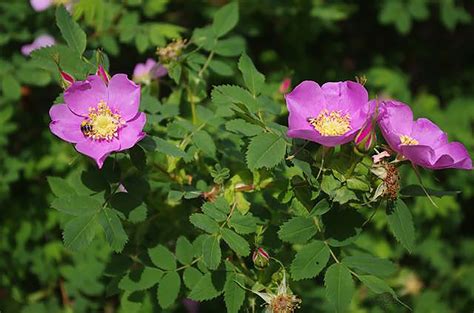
{"type": "Point", "coordinates": [281, 302]}
{"type": "Point", "coordinates": [172, 51]}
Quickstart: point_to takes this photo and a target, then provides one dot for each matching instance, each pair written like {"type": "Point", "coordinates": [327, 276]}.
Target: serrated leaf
{"type": "Point", "coordinates": [265, 150]}
{"type": "Point", "coordinates": [299, 229]}
{"type": "Point", "coordinates": [211, 252]}
{"type": "Point", "coordinates": [310, 260]}
{"type": "Point", "coordinates": [221, 68]}
{"type": "Point", "coordinates": [168, 148]}
{"type": "Point", "coordinates": [113, 229]}
{"type": "Point", "coordinates": [80, 231]}
{"type": "Point", "coordinates": [77, 205]}
{"type": "Point", "coordinates": [204, 222]}
{"type": "Point", "coordinates": [204, 142]}
{"type": "Point", "coordinates": [400, 220]}
{"type": "Point", "coordinates": [320, 208]}
{"type": "Point", "coordinates": [162, 257]}
{"type": "Point", "coordinates": [253, 79]}
{"type": "Point", "coordinates": [191, 277]}
{"type": "Point", "coordinates": [60, 187]}
{"type": "Point", "coordinates": [243, 127]}
{"type": "Point", "coordinates": [168, 289]}
{"type": "Point", "coordinates": [243, 224]}
{"type": "Point", "coordinates": [377, 285]}
{"type": "Point", "coordinates": [339, 287]}
{"type": "Point", "coordinates": [229, 94]}
{"type": "Point", "coordinates": [71, 31]}
{"type": "Point", "coordinates": [212, 211]}
{"type": "Point", "coordinates": [11, 87]}
{"type": "Point", "coordinates": [234, 295]}
{"type": "Point", "coordinates": [225, 19]}
{"type": "Point", "coordinates": [204, 289]}
{"type": "Point", "coordinates": [141, 279]}
{"type": "Point", "coordinates": [236, 242]}
{"type": "Point", "coordinates": [230, 47]}
{"type": "Point", "coordinates": [370, 264]}
{"type": "Point", "coordinates": [184, 250]}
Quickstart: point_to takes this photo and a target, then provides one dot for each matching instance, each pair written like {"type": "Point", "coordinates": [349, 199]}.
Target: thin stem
{"type": "Point", "coordinates": [206, 64]}
{"type": "Point", "coordinates": [417, 173]}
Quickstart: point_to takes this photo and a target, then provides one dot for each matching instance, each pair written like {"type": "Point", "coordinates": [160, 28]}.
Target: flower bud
{"type": "Point", "coordinates": [366, 138]}
{"type": "Point", "coordinates": [102, 73]}
{"type": "Point", "coordinates": [260, 258]}
{"type": "Point", "coordinates": [285, 86]}
{"type": "Point", "coordinates": [66, 79]}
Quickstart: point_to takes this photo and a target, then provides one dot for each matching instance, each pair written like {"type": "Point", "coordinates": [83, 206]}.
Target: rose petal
{"type": "Point", "coordinates": [428, 133]}
{"type": "Point", "coordinates": [85, 94]}
{"type": "Point", "coordinates": [305, 101]}
{"type": "Point", "coordinates": [124, 96]}
{"type": "Point", "coordinates": [347, 97]}
{"type": "Point", "coordinates": [98, 150]}
{"type": "Point", "coordinates": [132, 132]}
{"type": "Point", "coordinates": [452, 155]}
{"type": "Point", "coordinates": [41, 5]}
{"type": "Point", "coordinates": [328, 141]}
{"type": "Point", "coordinates": [395, 119]}
{"type": "Point", "coordinates": [65, 124]}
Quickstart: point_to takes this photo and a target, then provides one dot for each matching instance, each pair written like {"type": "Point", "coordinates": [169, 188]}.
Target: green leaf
{"type": "Point", "coordinates": [243, 127]}
{"type": "Point", "coordinates": [265, 150]}
{"type": "Point", "coordinates": [253, 79]}
{"type": "Point", "coordinates": [80, 231]}
{"type": "Point", "coordinates": [377, 285]}
{"type": "Point", "coordinates": [162, 257]}
{"type": "Point", "coordinates": [168, 148]}
{"type": "Point", "coordinates": [113, 229]}
{"type": "Point", "coordinates": [330, 185]}
{"type": "Point", "coordinates": [234, 295]}
{"type": "Point", "coordinates": [243, 224]}
{"type": "Point", "coordinates": [204, 222]}
{"type": "Point", "coordinates": [310, 260]}
{"type": "Point", "coordinates": [236, 242]}
{"type": "Point", "coordinates": [11, 87]}
{"type": "Point", "coordinates": [184, 250]}
{"type": "Point", "coordinates": [370, 264]}
{"type": "Point", "coordinates": [225, 95]}
{"type": "Point", "coordinates": [320, 208]}
{"type": "Point", "coordinates": [211, 210]}
{"type": "Point", "coordinates": [230, 47]}
{"type": "Point", "coordinates": [77, 205]}
{"type": "Point", "coordinates": [141, 279]}
{"type": "Point", "coordinates": [60, 187]}
{"type": "Point", "coordinates": [357, 184]}
{"type": "Point", "coordinates": [71, 31]}
{"type": "Point", "coordinates": [339, 287]}
{"type": "Point", "coordinates": [204, 289]}
{"type": "Point", "coordinates": [221, 68]}
{"type": "Point", "coordinates": [211, 252]}
{"type": "Point", "coordinates": [191, 277]}
{"type": "Point", "coordinates": [417, 191]}
{"type": "Point", "coordinates": [225, 19]}
{"type": "Point", "coordinates": [344, 195]}
{"type": "Point", "coordinates": [400, 220]}
{"type": "Point", "coordinates": [168, 289]}
{"type": "Point", "coordinates": [204, 142]}
{"type": "Point", "coordinates": [299, 229]}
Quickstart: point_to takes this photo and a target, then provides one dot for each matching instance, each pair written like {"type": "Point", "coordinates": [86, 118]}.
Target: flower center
{"type": "Point", "coordinates": [407, 140]}
{"type": "Point", "coordinates": [331, 123]}
{"type": "Point", "coordinates": [102, 123]}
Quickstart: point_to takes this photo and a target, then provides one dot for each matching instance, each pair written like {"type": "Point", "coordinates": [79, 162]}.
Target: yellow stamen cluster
{"type": "Point", "coordinates": [285, 303]}
{"type": "Point", "coordinates": [331, 123]}
{"type": "Point", "coordinates": [102, 123]}
{"type": "Point", "coordinates": [407, 140]}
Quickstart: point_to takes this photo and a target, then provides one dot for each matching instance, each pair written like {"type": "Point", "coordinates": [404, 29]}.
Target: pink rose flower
{"type": "Point", "coordinates": [41, 5]}
{"type": "Point", "coordinates": [331, 114]}
{"type": "Point", "coordinates": [421, 141]}
{"type": "Point", "coordinates": [98, 118]}
{"type": "Point", "coordinates": [40, 42]}
{"type": "Point", "coordinates": [145, 72]}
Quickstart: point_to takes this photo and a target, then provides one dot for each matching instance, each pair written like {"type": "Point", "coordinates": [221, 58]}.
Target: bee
{"type": "Point", "coordinates": [86, 128]}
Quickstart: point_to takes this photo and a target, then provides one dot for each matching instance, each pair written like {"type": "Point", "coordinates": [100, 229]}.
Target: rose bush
{"type": "Point", "coordinates": [197, 183]}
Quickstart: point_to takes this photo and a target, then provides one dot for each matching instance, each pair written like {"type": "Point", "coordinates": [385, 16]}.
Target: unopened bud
{"type": "Point", "coordinates": [102, 73]}
{"type": "Point", "coordinates": [260, 258]}
{"type": "Point", "coordinates": [66, 79]}
{"type": "Point", "coordinates": [366, 138]}
{"type": "Point", "coordinates": [285, 86]}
